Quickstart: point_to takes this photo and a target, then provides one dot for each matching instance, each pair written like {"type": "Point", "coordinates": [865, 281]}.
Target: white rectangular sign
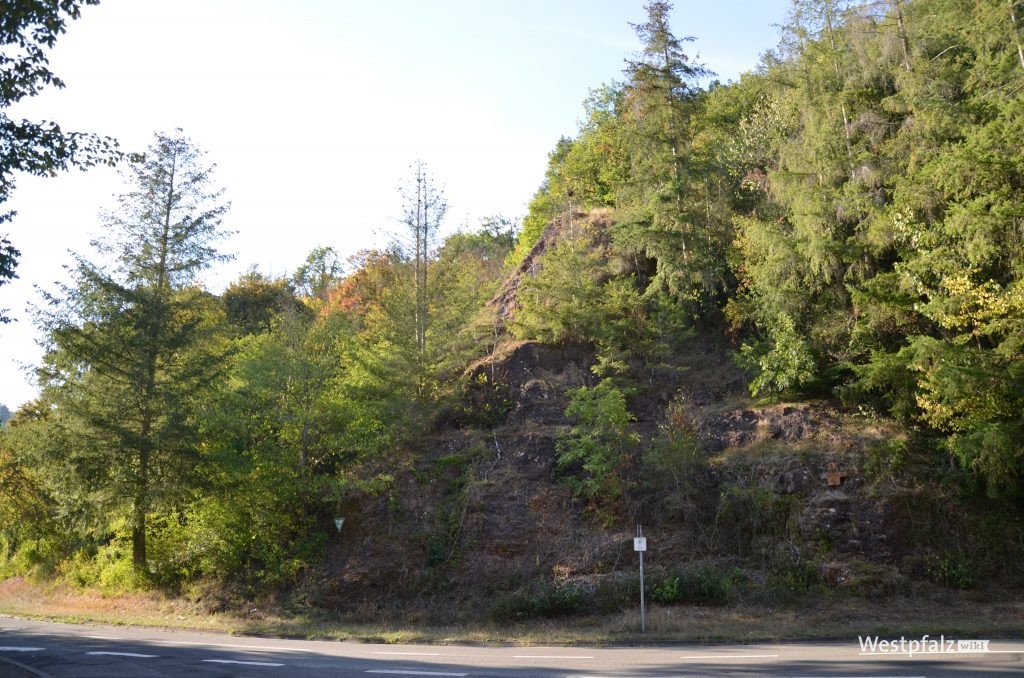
{"type": "Point", "coordinates": [639, 543]}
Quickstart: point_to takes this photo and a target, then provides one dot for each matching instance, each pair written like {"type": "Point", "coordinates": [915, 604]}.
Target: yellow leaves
{"type": "Point", "coordinates": [960, 387]}
{"type": "Point", "coordinates": [947, 405]}
{"type": "Point", "coordinates": [973, 307]}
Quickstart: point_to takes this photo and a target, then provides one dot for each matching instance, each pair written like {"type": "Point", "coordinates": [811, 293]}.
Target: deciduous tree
{"type": "Point", "coordinates": [28, 28]}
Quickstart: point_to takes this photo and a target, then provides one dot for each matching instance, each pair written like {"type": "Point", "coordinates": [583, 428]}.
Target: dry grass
{"type": "Point", "coordinates": [949, 614]}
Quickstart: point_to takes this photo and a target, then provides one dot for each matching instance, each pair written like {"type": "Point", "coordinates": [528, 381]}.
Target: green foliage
{"type": "Point", "coordinates": [132, 346]}
{"type": "Point", "coordinates": [548, 600]}
{"type": "Point", "coordinates": [887, 460]}
{"type": "Point", "coordinates": [675, 469]}
{"type": "Point", "coordinates": [785, 364]}
{"type": "Point", "coordinates": [792, 578]}
{"type": "Point", "coordinates": [253, 301]}
{"type": "Point", "coordinates": [697, 584]}
{"type": "Point", "coordinates": [109, 568]}
{"type": "Point", "coordinates": [952, 569]}
{"type": "Point", "coordinates": [583, 173]}
{"type": "Point", "coordinates": [321, 271]}
{"type": "Point", "coordinates": [600, 443]}
{"type": "Point", "coordinates": [560, 302]}
{"type": "Point", "coordinates": [484, 402]}
{"type": "Point", "coordinates": [34, 558]}
{"type": "Point", "coordinates": [750, 515]}
{"type": "Point", "coordinates": [853, 209]}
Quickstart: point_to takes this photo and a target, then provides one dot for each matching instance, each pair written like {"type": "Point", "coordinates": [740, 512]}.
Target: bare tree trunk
{"type": "Point", "coordinates": [903, 32]}
{"type": "Point", "coordinates": [1016, 33]}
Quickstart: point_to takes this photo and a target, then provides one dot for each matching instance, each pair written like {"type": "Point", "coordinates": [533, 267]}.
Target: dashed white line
{"type": "Point", "coordinates": [411, 654]}
{"type": "Point", "coordinates": [399, 672]}
{"type": "Point", "coordinates": [235, 661]}
{"type": "Point", "coordinates": [271, 648]}
{"type": "Point", "coordinates": [730, 656]}
{"type": "Point", "coordinates": [549, 656]}
{"type": "Point", "coordinates": [22, 649]}
{"type": "Point", "coordinates": [124, 654]}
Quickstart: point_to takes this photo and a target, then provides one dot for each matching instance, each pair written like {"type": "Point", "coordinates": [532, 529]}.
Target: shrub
{"type": "Point", "coordinates": [546, 601]}
{"type": "Point", "coordinates": [600, 442]}
{"type": "Point", "coordinates": [696, 584]}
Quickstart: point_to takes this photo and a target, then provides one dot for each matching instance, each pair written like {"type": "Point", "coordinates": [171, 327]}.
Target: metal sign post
{"type": "Point", "coordinates": [640, 545]}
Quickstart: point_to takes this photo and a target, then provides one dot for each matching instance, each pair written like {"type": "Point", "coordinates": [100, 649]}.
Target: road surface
{"type": "Point", "coordinates": [33, 649]}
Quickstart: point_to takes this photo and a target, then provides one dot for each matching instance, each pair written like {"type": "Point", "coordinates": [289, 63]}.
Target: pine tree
{"type": "Point", "coordinates": [131, 342]}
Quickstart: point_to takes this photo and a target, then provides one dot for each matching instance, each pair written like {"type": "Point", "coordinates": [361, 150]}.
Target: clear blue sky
{"type": "Point", "coordinates": [313, 110]}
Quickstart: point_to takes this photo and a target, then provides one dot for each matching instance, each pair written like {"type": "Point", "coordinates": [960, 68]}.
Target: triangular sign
{"type": "Point", "coordinates": [338, 522]}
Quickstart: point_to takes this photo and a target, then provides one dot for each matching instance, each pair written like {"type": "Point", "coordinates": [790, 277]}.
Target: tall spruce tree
{"type": "Point", "coordinates": [130, 341]}
{"type": "Point", "coordinates": [662, 212]}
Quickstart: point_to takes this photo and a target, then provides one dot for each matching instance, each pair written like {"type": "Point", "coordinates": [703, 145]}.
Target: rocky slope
{"type": "Point", "coordinates": [777, 500]}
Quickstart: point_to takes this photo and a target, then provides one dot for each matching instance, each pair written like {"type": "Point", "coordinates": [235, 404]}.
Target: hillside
{"type": "Point", "coordinates": [778, 322]}
{"type": "Point", "coordinates": [482, 516]}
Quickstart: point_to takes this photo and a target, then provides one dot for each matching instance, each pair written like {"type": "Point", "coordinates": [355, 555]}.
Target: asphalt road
{"type": "Point", "coordinates": [32, 649]}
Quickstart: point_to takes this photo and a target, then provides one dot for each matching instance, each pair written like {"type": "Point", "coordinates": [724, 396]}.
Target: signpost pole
{"type": "Point", "coordinates": [641, 546]}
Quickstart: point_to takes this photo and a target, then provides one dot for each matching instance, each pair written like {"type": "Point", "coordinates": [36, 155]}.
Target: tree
{"type": "Point", "coordinates": [5, 414]}
{"type": "Point", "coordinates": [131, 344]}
{"type": "Point", "coordinates": [600, 442]}
{"type": "Point", "coordinates": [664, 211]}
{"type": "Point", "coordinates": [561, 302]}
{"type": "Point", "coordinates": [424, 212]}
{"type": "Point", "coordinates": [27, 29]}
{"type": "Point", "coordinates": [254, 300]}
{"type": "Point", "coordinates": [321, 271]}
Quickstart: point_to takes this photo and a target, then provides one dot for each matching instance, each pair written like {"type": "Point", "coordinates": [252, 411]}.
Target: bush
{"type": "Point", "coordinates": [784, 363]}
{"type": "Point", "coordinates": [952, 569]}
{"type": "Point", "coordinates": [29, 558]}
{"type": "Point", "coordinates": [547, 601]}
{"type": "Point", "coordinates": [601, 441]}
{"type": "Point", "coordinates": [696, 584]}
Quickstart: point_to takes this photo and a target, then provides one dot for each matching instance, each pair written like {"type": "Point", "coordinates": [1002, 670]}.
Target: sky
{"type": "Point", "coordinates": [313, 110]}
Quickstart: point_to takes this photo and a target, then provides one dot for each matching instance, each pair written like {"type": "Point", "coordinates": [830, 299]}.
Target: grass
{"type": "Point", "coordinates": [952, 614]}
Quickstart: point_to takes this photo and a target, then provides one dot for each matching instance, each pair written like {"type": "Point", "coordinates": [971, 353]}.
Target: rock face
{"type": "Point", "coordinates": [785, 423]}
{"type": "Point", "coordinates": [534, 378]}
{"type": "Point", "coordinates": [478, 510]}
{"type": "Point", "coordinates": [870, 528]}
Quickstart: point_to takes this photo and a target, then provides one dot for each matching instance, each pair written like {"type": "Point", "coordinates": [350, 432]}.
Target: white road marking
{"type": "Point", "coordinates": [124, 654]}
{"type": "Point", "coordinates": [412, 654]}
{"type": "Point", "coordinates": [271, 648]}
{"type": "Point", "coordinates": [22, 649]}
{"type": "Point", "coordinates": [102, 637]}
{"type": "Point", "coordinates": [549, 656]}
{"type": "Point", "coordinates": [234, 661]}
{"type": "Point", "coordinates": [730, 656]}
{"type": "Point", "coordinates": [399, 672]}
